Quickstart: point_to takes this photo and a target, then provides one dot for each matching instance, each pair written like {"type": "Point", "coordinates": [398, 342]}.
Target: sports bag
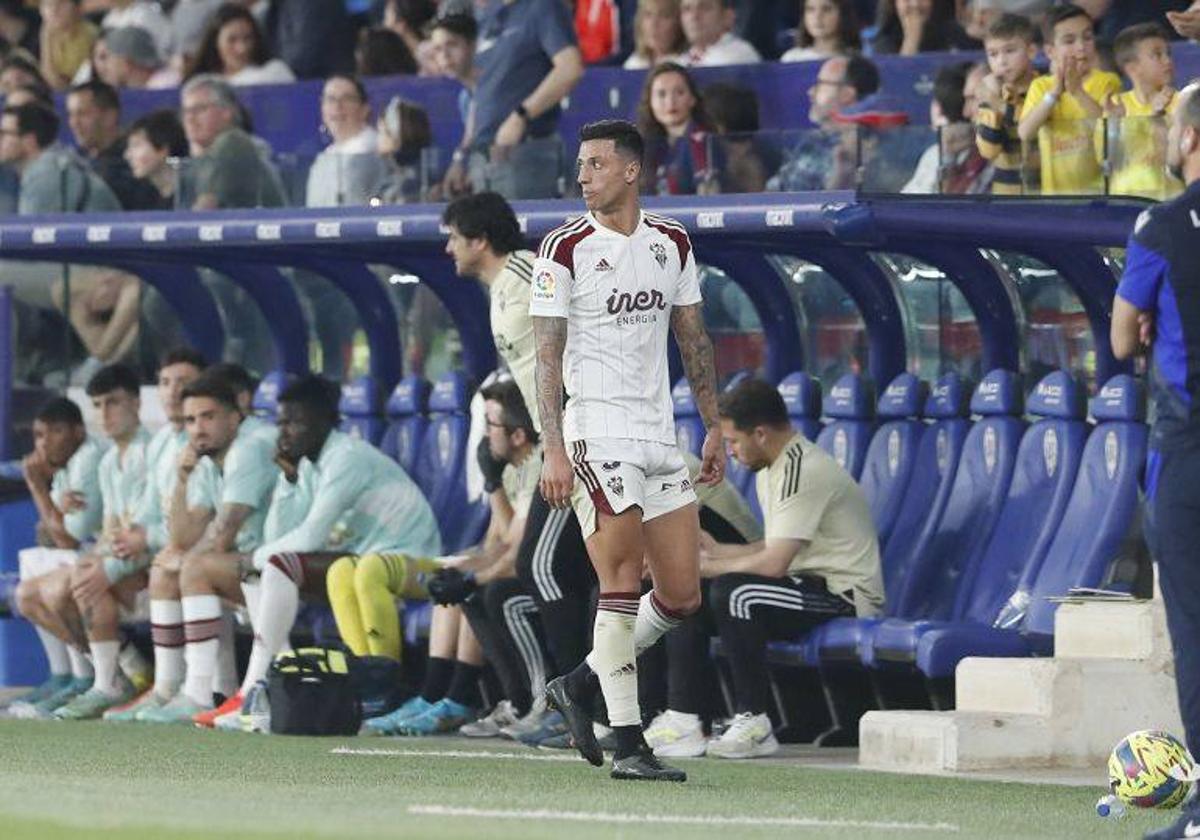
{"type": "Point", "coordinates": [311, 693]}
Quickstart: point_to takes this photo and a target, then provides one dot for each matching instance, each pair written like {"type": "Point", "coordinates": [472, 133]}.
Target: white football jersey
{"type": "Point", "coordinates": [616, 293]}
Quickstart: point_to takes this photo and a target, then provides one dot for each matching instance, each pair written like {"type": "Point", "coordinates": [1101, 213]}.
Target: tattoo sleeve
{"type": "Point", "coordinates": [221, 534]}
{"type": "Point", "coordinates": [687, 323]}
{"type": "Point", "coordinates": [550, 337]}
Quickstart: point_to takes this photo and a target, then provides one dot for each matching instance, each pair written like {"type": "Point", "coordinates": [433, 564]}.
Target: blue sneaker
{"type": "Point", "coordinates": [56, 683]}
{"type": "Point", "coordinates": [44, 709]}
{"type": "Point", "coordinates": [546, 725]}
{"type": "Point", "coordinates": [444, 716]}
{"type": "Point", "coordinates": [388, 724]}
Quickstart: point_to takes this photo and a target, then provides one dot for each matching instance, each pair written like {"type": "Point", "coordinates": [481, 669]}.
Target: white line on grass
{"type": "Point", "coordinates": [455, 754]}
{"type": "Point", "coordinates": [670, 819]}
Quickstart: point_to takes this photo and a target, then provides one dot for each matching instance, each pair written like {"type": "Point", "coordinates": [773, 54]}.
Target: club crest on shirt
{"type": "Point", "coordinates": [617, 486]}
{"type": "Point", "coordinates": [543, 286]}
{"type": "Point", "coordinates": [609, 466]}
{"type": "Point", "coordinates": [660, 253]}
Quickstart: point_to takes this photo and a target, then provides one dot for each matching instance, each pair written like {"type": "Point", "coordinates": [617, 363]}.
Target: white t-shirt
{"type": "Point", "coordinates": [274, 72]}
{"type": "Point", "coordinates": [617, 293]}
{"type": "Point", "coordinates": [729, 49]}
{"type": "Point", "coordinates": [804, 54]}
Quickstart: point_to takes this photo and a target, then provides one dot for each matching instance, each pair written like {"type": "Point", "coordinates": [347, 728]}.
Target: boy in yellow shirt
{"type": "Point", "coordinates": [1011, 46]}
{"type": "Point", "coordinates": [1137, 126]}
{"type": "Point", "coordinates": [1062, 108]}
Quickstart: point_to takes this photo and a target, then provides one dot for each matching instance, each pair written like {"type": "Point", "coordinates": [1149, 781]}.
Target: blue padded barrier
{"type": "Point", "coordinates": [850, 407]}
{"type": "Point", "coordinates": [406, 421]}
{"type": "Point", "coordinates": [266, 396]}
{"type": "Point", "coordinates": [802, 395]}
{"type": "Point", "coordinates": [362, 409]}
{"type": "Point", "coordinates": [893, 451]}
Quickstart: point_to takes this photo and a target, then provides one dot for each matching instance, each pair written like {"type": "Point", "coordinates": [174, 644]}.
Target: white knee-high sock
{"type": "Point", "coordinates": [613, 657]}
{"type": "Point", "coordinates": [202, 627]}
{"type": "Point", "coordinates": [166, 628]}
{"type": "Point", "coordinates": [278, 603]}
{"type": "Point", "coordinates": [81, 666]}
{"type": "Point", "coordinates": [56, 652]}
{"type": "Point", "coordinates": [104, 659]}
{"type": "Point", "coordinates": [225, 681]}
{"type": "Point", "coordinates": [654, 621]}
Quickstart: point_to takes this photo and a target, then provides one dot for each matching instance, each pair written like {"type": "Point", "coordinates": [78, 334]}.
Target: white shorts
{"type": "Point", "coordinates": [35, 562]}
{"type": "Point", "coordinates": [614, 475]}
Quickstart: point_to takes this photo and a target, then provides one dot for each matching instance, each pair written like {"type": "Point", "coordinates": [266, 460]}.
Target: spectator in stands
{"type": "Point", "coordinates": [827, 28]}
{"type": "Point", "coordinates": [746, 159]}
{"type": "Point", "coordinates": [657, 34]}
{"type": "Point", "coordinates": [347, 171]}
{"type": "Point", "coordinates": [674, 126]}
{"type": "Point", "coordinates": [841, 82]}
{"type": "Point", "coordinates": [94, 115]}
{"type": "Point", "coordinates": [909, 27]}
{"type": "Point", "coordinates": [1187, 21]}
{"type": "Point", "coordinates": [62, 476]}
{"type": "Point", "coordinates": [234, 48]}
{"type": "Point", "coordinates": [154, 139]}
{"type": "Point", "coordinates": [228, 170]}
{"type": "Point", "coordinates": [820, 558]}
{"type": "Point", "coordinates": [707, 26]}
{"type": "Point", "coordinates": [1114, 16]}
{"type": "Point", "coordinates": [1011, 45]}
{"type": "Point", "coordinates": [189, 22]}
{"type": "Point", "coordinates": [144, 14]}
{"type": "Point", "coordinates": [409, 19]}
{"type": "Point", "coordinates": [20, 26]}
{"type": "Point", "coordinates": [953, 164]}
{"type": "Point", "coordinates": [604, 29]}
{"type": "Point", "coordinates": [133, 60]}
{"type": "Point", "coordinates": [66, 41]}
{"type": "Point", "coordinates": [1061, 108]}
{"type": "Point", "coordinates": [453, 46]}
{"type": "Point", "coordinates": [27, 94]}
{"type": "Point", "coordinates": [20, 68]}
{"type": "Point", "coordinates": [313, 37]}
{"type": "Point", "coordinates": [1136, 119]}
{"type": "Point", "coordinates": [517, 99]}
{"type": "Point", "coordinates": [381, 52]}
{"type": "Point", "coordinates": [404, 135]}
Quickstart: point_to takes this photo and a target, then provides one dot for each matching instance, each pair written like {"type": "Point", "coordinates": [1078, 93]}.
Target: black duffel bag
{"type": "Point", "coordinates": [311, 693]}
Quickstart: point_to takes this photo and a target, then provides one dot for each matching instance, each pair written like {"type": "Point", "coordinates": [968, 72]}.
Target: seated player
{"type": "Point", "coordinates": [244, 385]}
{"type": "Point", "coordinates": [819, 560]}
{"type": "Point", "coordinates": [63, 480]}
{"type": "Point", "coordinates": [336, 496]}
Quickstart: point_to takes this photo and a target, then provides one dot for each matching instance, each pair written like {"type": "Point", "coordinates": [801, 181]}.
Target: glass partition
{"type": "Point", "coordinates": [831, 325]}
{"type": "Point", "coordinates": [430, 338]}
{"type": "Point", "coordinates": [732, 323]}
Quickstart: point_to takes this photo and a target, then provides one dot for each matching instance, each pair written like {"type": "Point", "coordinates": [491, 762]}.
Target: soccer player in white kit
{"type": "Point", "coordinates": [607, 288]}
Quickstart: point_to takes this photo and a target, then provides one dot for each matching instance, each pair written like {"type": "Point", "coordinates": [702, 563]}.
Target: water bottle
{"type": "Point", "coordinates": [1110, 807]}
{"type": "Point", "coordinates": [256, 709]}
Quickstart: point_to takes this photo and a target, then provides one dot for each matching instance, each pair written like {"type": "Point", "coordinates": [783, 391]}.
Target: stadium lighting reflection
{"type": "Point", "coordinates": [403, 279]}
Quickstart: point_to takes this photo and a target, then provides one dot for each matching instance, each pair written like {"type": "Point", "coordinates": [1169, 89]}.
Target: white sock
{"type": "Point", "coordinates": [251, 592]}
{"type": "Point", "coordinates": [56, 652]}
{"type": "Point", "coordinates": [166, 626]}
{"type": "Point", "coordinates": [225, 681]}
{"type": "Point", "coordinates": [133, 664]}
{"type": "Point", "coordinates": [653, 622]}
{"type": "Point", "coordinates": [202, 627]}
{"type": "Point", "coordinates": [81, 667]}
{"type": "Point", "coordinates": [613, 660]}
{"type": "Point", "coordinates": [104, 659]}
{"type": "Point", "coordinates": [278, 603]}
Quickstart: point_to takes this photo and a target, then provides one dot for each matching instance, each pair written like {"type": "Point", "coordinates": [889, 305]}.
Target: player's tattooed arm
{"type": "Point", "coordinates": [550, 338]}
{"type": "Point", "coordinates": [687, 322]}
{"type": "Point", "coordinates": [221, 534]}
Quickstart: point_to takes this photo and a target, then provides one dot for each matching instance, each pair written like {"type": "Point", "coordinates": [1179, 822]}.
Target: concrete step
{"type": "Point", "coordinates": [931, 742]}
{"type": "Point", "coordinates": [1130, 630]}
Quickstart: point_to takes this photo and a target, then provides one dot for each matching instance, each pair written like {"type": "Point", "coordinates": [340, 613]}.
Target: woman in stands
{"type": "Point", "coordinates": [404, 134]}
{"type": "Point", "coordinates": [234, 47]}
{"type": "Point", "coordinates": [909, 27]}
{"type": "Point", "coordinates": [827, 28]}
{"type": "Point", "coordinates": [657, 34]}
{"type": "Point", "coordinates": [152, 141]}
{"type": "Point", "coordinates": [675, 127]}
{"type": "Point", "coordinates": [348, 172]}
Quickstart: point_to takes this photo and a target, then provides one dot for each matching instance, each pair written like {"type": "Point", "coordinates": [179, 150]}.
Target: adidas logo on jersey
{"type": "Point", "coordinates": [603, 265]}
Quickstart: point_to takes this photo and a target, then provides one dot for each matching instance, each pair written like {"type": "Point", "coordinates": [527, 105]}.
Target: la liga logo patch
{"type": "Point", "coordinates": [543, 286]}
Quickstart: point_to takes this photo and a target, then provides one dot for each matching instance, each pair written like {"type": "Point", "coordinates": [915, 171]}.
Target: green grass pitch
{"type": "Point", "coordinates": [106, 781]}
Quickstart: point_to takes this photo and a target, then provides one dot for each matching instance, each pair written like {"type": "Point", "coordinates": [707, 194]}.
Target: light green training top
{"type": "Point", "coordinates": [81, 475]}
{"type": "Point", "coordinates": [247, 478]}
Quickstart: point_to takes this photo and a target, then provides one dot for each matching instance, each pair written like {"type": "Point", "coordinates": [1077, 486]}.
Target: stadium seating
{"type": "Point", "coordinates": [361, 406]}
{"type": "Point", "coordinates": [406, 421]}
{"type": "Point", "coordinates": [802, 396]}
{"type": "Point", "coordinates": [266, 397]}
{"type": "Point", "coordinates": [689, 428]}
{"type": "Point", "coordinates": [440, 469]}
{"type": "Point", "coordinates": [893, 450]}
{"type": "Point", "coordinates": [850, 407]}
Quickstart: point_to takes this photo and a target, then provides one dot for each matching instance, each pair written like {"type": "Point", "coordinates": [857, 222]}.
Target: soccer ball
{"type": "Point", "coordinates": [1139, 770]}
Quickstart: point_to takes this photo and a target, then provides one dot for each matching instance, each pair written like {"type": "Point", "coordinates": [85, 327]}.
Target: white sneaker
{"type": "Point", "coordinates": [748, 736]}
{"type": "Point", "coordinates": [527, 724]}
{"type": "Point", "coordinates": [489, 727]}
{"type": "Point", "coordinates": [229, 722]}
{"type": "Point", "coordinates": [676, 735]}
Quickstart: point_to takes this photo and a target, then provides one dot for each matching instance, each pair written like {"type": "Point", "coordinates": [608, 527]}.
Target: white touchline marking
{"type": "Point", "coordinates": [455, 754]}
{"type": "Point", "coordinates": [667, 819]}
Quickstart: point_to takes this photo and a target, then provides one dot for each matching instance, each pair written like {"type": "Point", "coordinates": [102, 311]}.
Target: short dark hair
{"type": "Point", "coordinates": [183, 355]}
{"type": "Point", "coordinates": [623, 133]}
{"type": "Point", "coordinates": [213, 387]}
{"type": "Point", "coordinates": [516, 413]}
{"type": "Point", "coordinates": [862, 75]}
{"type": "Point", "coordinates": [103, 94]}
{"type": "Point", "coordinates": [41, 94]}
{"type": "Point", "coordinates": [948, 86]}
{"type": "Point", "coordinates": [462, 25]}
{"type": "Point", "coordinates": [316, 394]}
{"type": "Point", "coordinates": [488, 216]}
{"type": "Point", "coordinates": [60, 410]}
{"type": "Point", "coordinates": [1009, 25]}
{"type": "Point", "coordinates": [752, 403]}
{"type": "Point", "coordinates": [1126, 44]}
{"type": "Point", "coordinates": [356, 82]}
{"type": "Point", "coordinates": [36, 119]}
{"type": "Point", "coordinates": [114, 378]}
{"type": "Point", "coordinates": [163, 130]}
{"type": "Point", "coordinates": [235, 376]}
{"type": "Point", "coordinates": [1061, 14]}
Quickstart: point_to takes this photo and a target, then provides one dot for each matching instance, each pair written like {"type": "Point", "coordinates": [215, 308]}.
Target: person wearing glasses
{"type": "Point", "coordinates": [347, 172]}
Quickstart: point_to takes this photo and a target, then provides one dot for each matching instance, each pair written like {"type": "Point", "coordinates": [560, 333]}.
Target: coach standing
{"type": "Point", "coordinates": [1157, 306]}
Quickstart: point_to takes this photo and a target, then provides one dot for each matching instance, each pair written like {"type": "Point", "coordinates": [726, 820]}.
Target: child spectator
{"type": "Point", "coordinates": [657, 34]}
{"type": "Point", "coordinates": [708, 25]}
{"type": "Point", "coordinates": [234, 48]}
{"type": "Point", "coordinates": [1137, 130]}
{"type": "Point", "coordinates": [381, 52]}
{"type": "Point", "coordinates": [153, 140]}
{"type": "Point", "coordinates": [404, 134]}
{"type": "Point", "coordinates": [747, 160]}
{"type": "Point", "coordinates": [66, 41]}
{"type": "Point", "coordinates": [827, 28]}
{"type": "Point", "coordinates": [1011, 45]}
{"type": "Point", "coordinates": [952, 165]}
{"type": "Point", "coordinates": [94, 116]}
{"type": "Point", "coordinates": [1061, 108]}
{"type": "Point", "coordinates": [909, 27]}
{"type": "Point", "coordinates": [679, 147]}
{"type": "Point", "coordinates": [453, 40]}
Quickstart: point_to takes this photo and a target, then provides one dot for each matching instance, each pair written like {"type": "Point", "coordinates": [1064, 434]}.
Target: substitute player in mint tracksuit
{"type": "Point", "coordinates": [1158, 306]}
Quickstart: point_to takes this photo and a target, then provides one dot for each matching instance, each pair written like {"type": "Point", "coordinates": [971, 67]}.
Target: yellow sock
{"type": "Point", "coordinates": [339, 584]}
